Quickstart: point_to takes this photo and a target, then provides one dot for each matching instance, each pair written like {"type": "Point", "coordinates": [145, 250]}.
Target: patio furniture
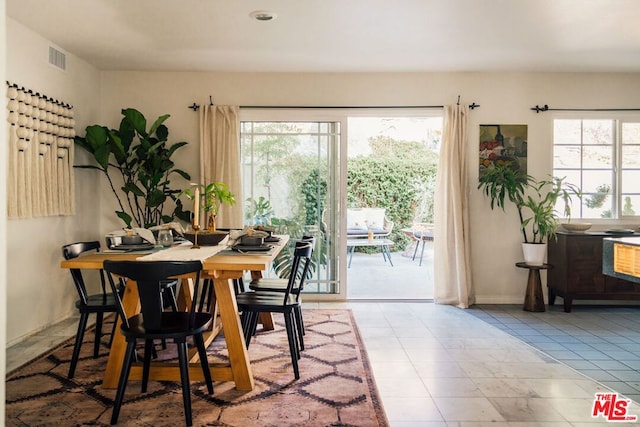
{"type": "Point", "coordinates": [383, 244]}
{"type": "Point", "coordinates": [419, 233]}
{"type": "Point", "coordinates": [362, 220]}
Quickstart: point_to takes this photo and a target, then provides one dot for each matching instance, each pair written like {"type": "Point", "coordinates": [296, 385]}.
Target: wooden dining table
{"type": "Point", "coordinates": [222, 268]}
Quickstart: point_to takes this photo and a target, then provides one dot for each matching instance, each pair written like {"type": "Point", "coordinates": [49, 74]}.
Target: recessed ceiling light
{"type": "Point", "coordinates": [263, 15]}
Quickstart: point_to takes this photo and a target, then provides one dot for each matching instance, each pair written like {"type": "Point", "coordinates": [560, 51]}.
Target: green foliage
{"type": "Point", "coordinates": [259, 212]}
{"type": "Point", "coordinates": [313, 192]}
{"type": "Point", "coordinates": [596, 200]}
{"type": "Point", "coordinates": [396, 184]}
{"type": "Point", "coordinates": [213, 196]}
{"type": "Point", "coordinates": [142, 160]}
{"type": "Point", "coordinates": [534, 200]}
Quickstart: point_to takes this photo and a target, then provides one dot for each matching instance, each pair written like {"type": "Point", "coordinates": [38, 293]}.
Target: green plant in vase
{"type": "Point", "coordinates": [535, 202]}
{"type": "Point", "coordinates": [211, 197]}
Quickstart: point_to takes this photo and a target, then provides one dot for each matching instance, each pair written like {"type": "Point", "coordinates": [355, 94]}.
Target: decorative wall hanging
{"type": "Point", "coordinates": [40, 178]}
{"type": "Point", "coordinates": [503, 144]}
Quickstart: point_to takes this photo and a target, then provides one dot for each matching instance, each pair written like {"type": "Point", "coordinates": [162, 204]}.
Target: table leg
{"type": "Point", "coordinates": [422, 252]}
{"type": "Point", "coordinates": [350, 250]}
{"type": "Point", "coordinates": [385, 249]}
{"type": "Point", "coordinates": [238, 356]}
{"type": "Point", "coordinates": [534, 300]}
{"type": "Point", "coordinates": [131, 305]}
{"type": "Point", "coordinates": [265, 318]}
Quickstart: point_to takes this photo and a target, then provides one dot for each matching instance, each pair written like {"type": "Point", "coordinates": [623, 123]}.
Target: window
{"type": "Point", "coordinates": [602, 157]}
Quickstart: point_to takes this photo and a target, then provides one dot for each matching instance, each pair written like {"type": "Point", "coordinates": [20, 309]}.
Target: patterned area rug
{"type": "Point", "coordinates": [335, 388]}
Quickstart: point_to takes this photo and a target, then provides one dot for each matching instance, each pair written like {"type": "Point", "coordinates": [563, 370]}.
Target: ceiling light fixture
{"type": "Point", "coordinates": [263, 15]}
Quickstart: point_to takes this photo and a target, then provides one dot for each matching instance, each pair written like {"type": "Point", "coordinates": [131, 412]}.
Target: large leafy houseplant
{"type": "Point", "coordinates": [535, 201]}
{"type": "Point", "coordinates": [139, 159]}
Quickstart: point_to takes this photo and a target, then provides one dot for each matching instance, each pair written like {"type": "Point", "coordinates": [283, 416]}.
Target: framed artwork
{"type": "Point", "coordinates": [503, 145]}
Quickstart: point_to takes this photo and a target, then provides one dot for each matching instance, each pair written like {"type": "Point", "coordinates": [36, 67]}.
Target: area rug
{"type": "Point", "coordinates": [335, 388]}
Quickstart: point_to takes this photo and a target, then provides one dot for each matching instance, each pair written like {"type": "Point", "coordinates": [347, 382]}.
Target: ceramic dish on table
{"type": "Point", "coordinates": [251, 248]}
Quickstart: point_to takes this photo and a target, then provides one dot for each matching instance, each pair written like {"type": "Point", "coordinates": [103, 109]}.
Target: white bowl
{"type": "Point", "coordinates": [576, 227]}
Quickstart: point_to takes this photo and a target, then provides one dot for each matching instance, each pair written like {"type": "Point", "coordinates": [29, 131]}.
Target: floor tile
{"type": "Point", "coordinates": [467, 409]}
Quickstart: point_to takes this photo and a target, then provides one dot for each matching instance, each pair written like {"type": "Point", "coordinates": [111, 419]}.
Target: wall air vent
{"type": "Point", "coordinates": [57, 58]}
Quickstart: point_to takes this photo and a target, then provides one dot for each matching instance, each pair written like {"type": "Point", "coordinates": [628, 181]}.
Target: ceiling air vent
{"type": "Point", "coordinates": [57, 58]}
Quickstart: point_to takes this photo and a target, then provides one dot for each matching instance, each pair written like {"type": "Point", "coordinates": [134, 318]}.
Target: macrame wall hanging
{"type": "Point", "coordinates": [41, 131]}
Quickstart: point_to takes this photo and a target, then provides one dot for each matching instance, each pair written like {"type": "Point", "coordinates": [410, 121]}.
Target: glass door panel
{"type": "Point", "coordinates": [290, 182]}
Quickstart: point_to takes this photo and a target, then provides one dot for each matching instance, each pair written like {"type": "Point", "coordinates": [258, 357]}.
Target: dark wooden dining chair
{"type": "Point", "coordinates": [87, 304]}
{"type": "Point", "coordinates": [279, 285]}
{"type": "Point", "coordinates": [154, 323]}
{"type": "Point", "coordinates": [252, 303]}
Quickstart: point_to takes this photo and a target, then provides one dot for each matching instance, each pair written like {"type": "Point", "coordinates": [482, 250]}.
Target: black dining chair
{"type": "Point", "coordinates": [153, 322]}
{"type": "Point", "coordinates": [87, 304]}
{"type": "Point", "coordinates": [279, 285]}
{"type": "Point", "coordinates": [252, 303]}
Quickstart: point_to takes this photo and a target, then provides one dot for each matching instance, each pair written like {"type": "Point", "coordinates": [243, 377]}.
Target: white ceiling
{"type": "Point", "coordinates": [342, 35]}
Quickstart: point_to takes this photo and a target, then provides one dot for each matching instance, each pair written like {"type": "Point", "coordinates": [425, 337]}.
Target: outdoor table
{"type": "Point", "coordinates": [384, 244]}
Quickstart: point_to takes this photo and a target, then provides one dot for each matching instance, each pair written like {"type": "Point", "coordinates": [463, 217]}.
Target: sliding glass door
{"type": "Point", "coordinates": [290, 182]}
{"type": "Point", "coordinates": [303, 168]}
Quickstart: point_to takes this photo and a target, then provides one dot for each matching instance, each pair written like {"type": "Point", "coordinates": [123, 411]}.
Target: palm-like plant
{"type": "Point", "coordinates": [504, 183]}
{"type": "Point", "coordinates": [535, 201]}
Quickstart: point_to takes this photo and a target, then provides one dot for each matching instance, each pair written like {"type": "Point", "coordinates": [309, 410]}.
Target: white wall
{"type": "Point", "coordinates": [41, 296]}
{"type": "Point", "coordinates": [504, 98]}
{"type": "Point", "coordinates": [40, 292]}
{"type": "Point", "coordinates": [3, 225]}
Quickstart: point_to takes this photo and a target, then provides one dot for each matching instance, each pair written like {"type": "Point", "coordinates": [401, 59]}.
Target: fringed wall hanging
{"type": "Point", "coordinates": [41, 131]}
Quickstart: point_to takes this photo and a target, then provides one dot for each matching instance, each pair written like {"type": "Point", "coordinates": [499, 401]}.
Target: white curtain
{"type": "Point", "coordinates": [452, 264]}
{"type": "Point", "coordinates": [220, 158]}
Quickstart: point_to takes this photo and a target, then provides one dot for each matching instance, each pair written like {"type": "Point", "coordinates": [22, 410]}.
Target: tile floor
{"type": "Point", "coordinates": [601, 342]}
{"type": "Point", "coordinates": [440, 366]}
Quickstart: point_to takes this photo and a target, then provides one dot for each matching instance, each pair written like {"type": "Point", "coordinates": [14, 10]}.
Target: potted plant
{"type": "Point", "coordinates": [210, 197]}
{"type": "Point", "coordinates": [535, 202]}
{"type": "Point", "coordinates": [137, 164]}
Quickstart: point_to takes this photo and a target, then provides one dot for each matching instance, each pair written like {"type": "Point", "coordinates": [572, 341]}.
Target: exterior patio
{"type": "Point", "coordinates": [370, 277]}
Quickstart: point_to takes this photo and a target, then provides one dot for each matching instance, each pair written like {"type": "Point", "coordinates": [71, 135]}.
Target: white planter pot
{"type": "Point", "coordinates": [534, 253]}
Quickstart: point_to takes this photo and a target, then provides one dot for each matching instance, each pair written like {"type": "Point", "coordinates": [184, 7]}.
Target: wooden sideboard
{"type": "Point", "coordinates": [577, 271]}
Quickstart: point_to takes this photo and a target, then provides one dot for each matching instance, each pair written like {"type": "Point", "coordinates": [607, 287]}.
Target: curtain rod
{"type": "Point", "coordinates": [545, 107]}
{"type": "Point", "coordinates": [196, 107]}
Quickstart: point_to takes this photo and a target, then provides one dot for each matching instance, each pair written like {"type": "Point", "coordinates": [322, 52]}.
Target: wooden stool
{"type": "Point", "coordinates": [534, 300]}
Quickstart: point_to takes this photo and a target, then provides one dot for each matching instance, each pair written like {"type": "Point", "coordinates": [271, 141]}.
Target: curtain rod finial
{"type": "Point", "coordinates": [538, 109]}
{"type": "Point", "coordinates": [194, 107]}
